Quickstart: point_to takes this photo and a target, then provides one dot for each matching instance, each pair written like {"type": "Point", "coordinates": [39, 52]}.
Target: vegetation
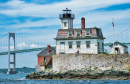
{"type": "Point", "coordinates": [89, 67]}
{"type": "Point", "coordinates": [48, 69]}
{"type": "Point", "coordinates": [95, 68]}
{"type": "Point", "coordinates": [105, 53]}
{"type": "Point", "coordinates": [112, 67]}
{"type": "Point", "coordinates": [121, 62]}
{"type": "Point", "coordinates": [128, 69]}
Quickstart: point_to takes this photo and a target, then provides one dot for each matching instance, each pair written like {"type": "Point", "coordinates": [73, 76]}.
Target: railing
{"type": "Point", "coordinates": [66, 16]}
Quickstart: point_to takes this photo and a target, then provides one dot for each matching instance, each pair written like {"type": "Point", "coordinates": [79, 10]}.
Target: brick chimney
{"type": "Point", "coordinates": [48, 48]}
{"type": "Point", "coordinates": [82, 22]}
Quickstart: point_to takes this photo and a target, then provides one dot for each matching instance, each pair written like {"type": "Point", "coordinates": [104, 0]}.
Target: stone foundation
{"type": "Point", "coordinates": [65, 62]}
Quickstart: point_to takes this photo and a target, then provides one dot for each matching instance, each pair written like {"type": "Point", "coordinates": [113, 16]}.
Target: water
{"type": "Point", "coordinates": [20, 79]}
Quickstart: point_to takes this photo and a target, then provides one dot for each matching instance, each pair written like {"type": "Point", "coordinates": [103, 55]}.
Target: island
{"type": "Point", "coordinates": [84, 73]}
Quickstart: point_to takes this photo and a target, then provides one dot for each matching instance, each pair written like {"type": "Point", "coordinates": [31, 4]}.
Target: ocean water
{"type": "Point", "coordinates": [20, 79]}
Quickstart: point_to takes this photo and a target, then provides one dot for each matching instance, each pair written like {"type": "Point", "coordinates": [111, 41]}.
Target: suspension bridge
{"type": "Point", "coordinates": [12, 43]}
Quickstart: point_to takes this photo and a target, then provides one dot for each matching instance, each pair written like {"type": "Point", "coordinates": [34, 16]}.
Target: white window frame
{"type": "Point", "coordinates": [69, 46]}
{"type": "Point", "coordinates": [77, 33]}
{"type": "Point", "coordinates": [69, 34]}
{"type": "Point", "coordinates": [89, 44]}
{"type": "Point", "coordinates": [87, 32]}
{"type": "Point", "coordinates": [76, 44]}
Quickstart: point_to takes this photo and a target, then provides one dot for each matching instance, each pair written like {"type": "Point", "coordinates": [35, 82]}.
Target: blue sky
{"type": "Point", "coordinates": [38, 20]}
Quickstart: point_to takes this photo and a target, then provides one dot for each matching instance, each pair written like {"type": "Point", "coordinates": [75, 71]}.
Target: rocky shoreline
{"type": "Point", "coordinates": [82, 74]}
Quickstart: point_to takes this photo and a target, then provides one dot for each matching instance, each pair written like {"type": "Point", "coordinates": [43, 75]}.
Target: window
{"type": "Point", "coordinates": [78, 44]}
{"type": "Point", "coordinates": [70, 33]}
{"type": "Point", "coordinates": [78, 33]}
{"type": "Point", "coordinates": [88, 32]}
{"type": "Point", "coordinates": [70, 44]}
{"type": "Point", "coordinates": [87, 44]}
{"type": "Point", "coordinates": [65, 24]}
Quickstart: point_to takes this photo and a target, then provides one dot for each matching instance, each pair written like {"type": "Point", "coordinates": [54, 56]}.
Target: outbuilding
{"type": "Point", "coordinates": [45, 58]}
{"type": "Point", "coordinates": [119, 48]}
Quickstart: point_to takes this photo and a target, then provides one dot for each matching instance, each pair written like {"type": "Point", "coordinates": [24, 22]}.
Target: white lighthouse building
{"type": "Point", "coordinates": [84, 40]}
{"type": "Point", "coordinates": [66, 19]}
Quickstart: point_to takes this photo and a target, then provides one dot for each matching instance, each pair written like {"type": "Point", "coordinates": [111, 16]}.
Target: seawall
{"type": "Point", "coordinates": [65, 62]}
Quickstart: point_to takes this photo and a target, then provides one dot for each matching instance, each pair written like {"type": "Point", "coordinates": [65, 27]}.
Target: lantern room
{"type": "Point", "coordinates": [66, 19]}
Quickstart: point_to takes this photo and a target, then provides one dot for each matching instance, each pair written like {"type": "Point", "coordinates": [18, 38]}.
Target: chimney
{"type": "Point", "coordinates": [48, 48]}
{"type": "Point", "coordinates": [82, 22]}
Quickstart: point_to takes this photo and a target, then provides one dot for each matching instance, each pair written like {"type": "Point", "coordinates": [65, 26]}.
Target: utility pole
{"type": "Point", "coordinates": [113, 35]}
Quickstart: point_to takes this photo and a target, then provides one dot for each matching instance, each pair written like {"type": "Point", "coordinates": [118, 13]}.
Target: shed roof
{"type": "Point", "coordinates": [119, 43]}
{"type": "Point", "coordinates": [44, 52]}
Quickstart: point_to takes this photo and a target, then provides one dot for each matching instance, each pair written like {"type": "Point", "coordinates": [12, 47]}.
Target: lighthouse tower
{"type": "Point", "coordinates": [66, 19]}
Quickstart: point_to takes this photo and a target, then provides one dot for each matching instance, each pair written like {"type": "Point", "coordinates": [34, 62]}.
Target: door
{"type": "Point", "coordinates": [117, 50]}
{"type": "Point", "coordinates": [62, 47]}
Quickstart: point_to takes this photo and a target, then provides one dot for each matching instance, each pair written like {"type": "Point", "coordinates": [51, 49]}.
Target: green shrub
{"type": "Point", "coordinates": [121, 62]}
{"type": "Point", "coordinates": [128, 69]}
{"type": "Point", "coordinates": [95, 68]}
{"type": "Point", "coordinates": [48, 69]}
{"type": "Point", "coordinates": [105, 53]}
{"type": "Point", "coordinates": [89, 67]}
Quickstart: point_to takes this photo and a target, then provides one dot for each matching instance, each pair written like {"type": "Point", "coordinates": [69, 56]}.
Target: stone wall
{"type": "Point", "coordinates": [65, 62]}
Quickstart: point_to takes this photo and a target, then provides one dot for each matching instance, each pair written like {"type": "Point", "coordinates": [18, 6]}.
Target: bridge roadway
{"type": "Point", "coordinates": [24, 50]}
{"type": "Point", "coordinates": [39, 49]}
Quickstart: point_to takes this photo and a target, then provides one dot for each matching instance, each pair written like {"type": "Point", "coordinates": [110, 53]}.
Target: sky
{"type": "Point", "coordinates": [39, 20]}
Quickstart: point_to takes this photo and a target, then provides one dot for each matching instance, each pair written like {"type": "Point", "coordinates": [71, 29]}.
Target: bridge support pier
{"type": "Point", "coordinates": [14, 54]}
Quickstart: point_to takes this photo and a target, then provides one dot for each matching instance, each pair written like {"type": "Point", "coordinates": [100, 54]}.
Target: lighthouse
{"type": "Point", "coordinates": [66, 19]}
{"type": "Point", "coordinates": [83, 40]}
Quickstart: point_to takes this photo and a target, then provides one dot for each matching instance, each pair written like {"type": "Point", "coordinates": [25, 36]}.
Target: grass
{"type": "Point", "coordinates": [48, 69]}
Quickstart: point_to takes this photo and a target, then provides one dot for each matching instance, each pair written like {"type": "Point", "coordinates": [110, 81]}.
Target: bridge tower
{"type": "Point", "coordinates": [14, 54]}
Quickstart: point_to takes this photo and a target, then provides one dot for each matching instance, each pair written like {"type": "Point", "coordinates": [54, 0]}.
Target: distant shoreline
{"type": "Point", "coordinates": [111, 74]}
{"type": "Point", "coordinates": [19, 70]}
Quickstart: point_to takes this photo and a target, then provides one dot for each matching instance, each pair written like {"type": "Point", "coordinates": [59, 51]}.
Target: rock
{"type": "Point", "coordinates": [81, 74]}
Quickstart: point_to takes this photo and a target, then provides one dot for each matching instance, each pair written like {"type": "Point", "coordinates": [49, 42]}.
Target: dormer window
{"type": "Point", "coordinates": [65, 24]}
{"type": "Point", "coordinates": [70, 33]}
{"type": "Point", "coordinates": [78, 33]}
{"type": "Point", "coordinates": [88, 32]}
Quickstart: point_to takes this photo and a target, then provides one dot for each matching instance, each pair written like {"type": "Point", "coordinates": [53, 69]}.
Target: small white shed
{"type": "Point", "coordinates": [119, 48]}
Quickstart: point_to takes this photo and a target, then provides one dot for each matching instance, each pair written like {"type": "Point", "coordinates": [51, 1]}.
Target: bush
{"type": "Point", "coordinates": [105, 53]}
{"type": "Point", "coordinates": [89, 67]}
{"type": "Point", "coordinates": [121, 62]}
{"type": "Point", "coordinates": [128, 69]}
{"type": "Point", "coordinates": [48, 69]}
{"type": "Point", "coordinates": [95, 68]}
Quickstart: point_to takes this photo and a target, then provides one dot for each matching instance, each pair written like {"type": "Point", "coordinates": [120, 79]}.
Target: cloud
{"type": "Point", "coordinates": [33, 46]}
{"type": "Point", "coordinates": [81, 8]}
{"type": "Point", "coordinates": [21, 8]}
{"type": "Point", "coordinates": [5, 48]}
{"type": "Point", "coordinates": [21, 45]}
{"type": "Point", "coordinates": [50, 12]}
{"type": "Point", "coordinates": [39, 23]}
{"type": "Point", "coordinates": [94, 18]}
